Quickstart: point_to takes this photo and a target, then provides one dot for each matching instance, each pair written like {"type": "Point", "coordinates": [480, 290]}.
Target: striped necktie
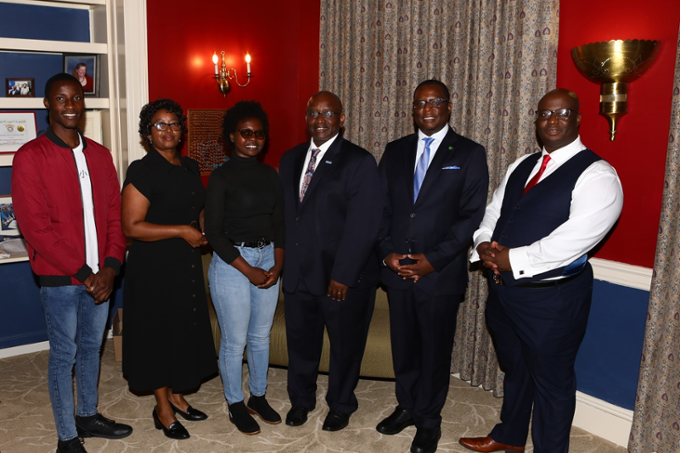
{"type": "Point", "coordinates": [421, 168]}
{"type": "Point", "coordinates": [309, 173]}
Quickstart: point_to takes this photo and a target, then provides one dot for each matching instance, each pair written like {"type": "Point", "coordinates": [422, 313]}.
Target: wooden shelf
{"type": "Point", "coordinates": [39, 45]}
{"type": "Point", "coordinates": [6, 159]}
{"type": "Point", "coordinates": [18, 258]}
{"type": "Point", "coordinates": [37, 103]}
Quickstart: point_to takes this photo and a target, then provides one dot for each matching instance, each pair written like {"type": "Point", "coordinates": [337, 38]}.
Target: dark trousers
{"type": "Point", "coordinates": [537, 333]}
{"type": "Point", "coordinates": [347, 324]}
{"type": "Point", "coordinates": [422, 329]}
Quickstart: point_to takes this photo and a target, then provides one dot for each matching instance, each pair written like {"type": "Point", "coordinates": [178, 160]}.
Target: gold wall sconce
{"type": "Point", "coordinates": [223, 75]}
{"type": "Point", "coordinates": [614, 65]}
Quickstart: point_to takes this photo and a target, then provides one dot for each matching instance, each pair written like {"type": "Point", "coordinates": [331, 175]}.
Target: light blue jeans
{"type": "Point", "coordinates": [75, 329]}
{"type": "Point", "coordinates": [245, 313]}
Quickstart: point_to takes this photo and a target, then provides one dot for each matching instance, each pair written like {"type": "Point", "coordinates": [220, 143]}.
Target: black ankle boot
{"type": "Point", "coordinates": [71, 446]}
{"type": "Point", "coordinates": [239, 416]}
{"type": "Point", "coordinates": [259, 406]}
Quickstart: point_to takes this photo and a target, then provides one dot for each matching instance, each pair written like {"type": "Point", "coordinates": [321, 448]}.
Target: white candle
{"type": "Point", "coordinates": [248, 62]}
{"type": "Point", "coordinates": [214, 59]}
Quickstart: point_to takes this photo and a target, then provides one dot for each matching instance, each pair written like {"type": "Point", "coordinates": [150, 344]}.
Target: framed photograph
{"type": "Point", "coordinates": [8, 221]}
{"type": "Point", "coordinates": [20, 87]}
{"type": "Point", "coordinates": [85, 68]}
{"type": "Point", "coordinates": [16, 128]}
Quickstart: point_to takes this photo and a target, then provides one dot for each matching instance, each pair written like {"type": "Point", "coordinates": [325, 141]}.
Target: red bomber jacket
{"type": "Point", "coordinates": [49, 210]}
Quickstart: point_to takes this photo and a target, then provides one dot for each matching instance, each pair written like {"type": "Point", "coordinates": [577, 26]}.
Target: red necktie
{"type": "Point", "coordinates": [538, 175]}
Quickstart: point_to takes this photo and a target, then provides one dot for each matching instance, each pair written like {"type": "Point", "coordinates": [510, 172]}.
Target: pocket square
{"type": "Point", "coordinates": [455, 167]}
{"type": "Point", "coordinates": [329, 162]}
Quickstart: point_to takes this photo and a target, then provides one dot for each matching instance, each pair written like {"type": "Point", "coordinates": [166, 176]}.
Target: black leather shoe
{"type": "Point", "coordinates": [100, 426]}
{"type": "Point", "coordinates": [239, 416]}
{"type": "Point", "coordinates": [193, 415]}
{"type": "Point", "coordinates": [395, 423]}
{"type": "Point", "coordinates": [335, 421]}
{"type": "Point", "coordinates": [71, 446]}
{"type": "Point", "coordinates": [426, 440]}
{"type": "Point", "coordinates": [297, 416]}
{"type": "Point", "coordinates": [174, 431]}
{"type": "Point", "coordinates": [258, 405]}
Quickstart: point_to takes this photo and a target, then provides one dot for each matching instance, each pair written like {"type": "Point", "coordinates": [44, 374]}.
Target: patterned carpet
{"type": "Point", "coordinates": [27, 426]}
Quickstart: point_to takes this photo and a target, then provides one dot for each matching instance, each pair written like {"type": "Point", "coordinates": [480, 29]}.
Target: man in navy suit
{"type": "Point", "coordinates": [548, 212]}
{"type": "Point", "coordinates": [333, 204]}
{"type": "Point", "coordinates": [435, 184]}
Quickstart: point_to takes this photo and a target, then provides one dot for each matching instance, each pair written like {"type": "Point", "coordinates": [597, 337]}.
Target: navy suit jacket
{"type": "Point", "coordinates": [440, 224]}
{"type": "Point", "coordinates": [331, 234]}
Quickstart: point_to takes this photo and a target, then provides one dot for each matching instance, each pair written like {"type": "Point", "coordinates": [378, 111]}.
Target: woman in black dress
{"type": "Point", "coordinates": [168, 346]}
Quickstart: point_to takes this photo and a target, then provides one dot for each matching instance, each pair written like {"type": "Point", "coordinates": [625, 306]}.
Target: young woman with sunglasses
{"type": "Point", "coordinates": [168, 347]}
{"type": "Point", "coordinates": [244, 225]}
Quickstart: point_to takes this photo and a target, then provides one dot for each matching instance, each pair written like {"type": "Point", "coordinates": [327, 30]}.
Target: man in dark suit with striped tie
{"type": "Point", "coordinates": [333, 204]}
{"type": "Point", "coordinates": [435, 184]}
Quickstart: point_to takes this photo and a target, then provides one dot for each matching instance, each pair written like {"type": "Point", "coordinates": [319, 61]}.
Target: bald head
{"type": "Point", "coordinates": [328, 97]}
{"type": "Point", "coordinates": [324, 116]}
{"type": "Point", "coordinates": [554, 132]}
{"type": "Point", "coordinates": [566, 95]}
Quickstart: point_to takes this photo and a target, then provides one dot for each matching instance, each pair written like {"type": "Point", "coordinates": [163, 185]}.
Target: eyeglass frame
{"type": "Point", "coordinates": [434, 103]}
{"type": "Point", "coordinates": [258, 134]}
{"type": "Point", "coordinates": [327, 114]}
{"type": "Point", "coordinates": [162, 126]}
{"type": "Point", "coordinates": [554, 113]}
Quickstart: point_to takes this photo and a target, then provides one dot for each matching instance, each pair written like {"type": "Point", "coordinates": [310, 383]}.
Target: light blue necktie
{"type": "Point", "coordinates": [421, 168]}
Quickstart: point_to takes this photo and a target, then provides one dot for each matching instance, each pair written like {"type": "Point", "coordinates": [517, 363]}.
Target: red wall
{"type": "Point", "coordinates": [281, 37]}
{"type": "Point", "coordinates": [639, 152]}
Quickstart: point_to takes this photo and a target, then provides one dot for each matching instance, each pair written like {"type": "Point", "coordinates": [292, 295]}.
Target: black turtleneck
{"type": "Point", "coordinates": [244, 203]}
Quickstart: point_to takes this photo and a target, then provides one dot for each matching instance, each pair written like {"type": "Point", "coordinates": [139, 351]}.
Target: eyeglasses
{"type": "Point", "coordinates": [313, 114]}
{"type": "Point", "coordinates": [434, 103]}
{"type": "Point", "coordinates": [560, 114]}
{"type": "Point", "coordinates": [164, 126]}
{"type": "Point", "coordinates": [248, 134]}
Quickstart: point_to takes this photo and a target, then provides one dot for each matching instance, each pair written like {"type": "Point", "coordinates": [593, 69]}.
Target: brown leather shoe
{"type": "Point", "coordinates": [486, 444]}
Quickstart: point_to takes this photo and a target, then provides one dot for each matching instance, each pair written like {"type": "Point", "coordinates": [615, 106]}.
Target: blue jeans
{"type": "Point", "coordinates": [245, 313]}
{"type": "Point", "coordinates": [75, 329]}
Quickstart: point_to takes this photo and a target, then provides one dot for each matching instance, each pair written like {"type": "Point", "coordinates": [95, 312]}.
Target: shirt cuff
{"type": "Point", "coordinates": [519, 261]}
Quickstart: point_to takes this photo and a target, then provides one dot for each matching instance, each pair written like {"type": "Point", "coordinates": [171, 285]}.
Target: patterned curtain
{"type": "Point", "coordinates": [656, 421]}
{"type": "Point", "coordinates": [497, 57]}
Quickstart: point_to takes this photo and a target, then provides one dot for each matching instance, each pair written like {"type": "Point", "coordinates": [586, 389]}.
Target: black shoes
{"type": "Point", "coordinates": [71, 446]}
{"type": "Point", "coordinates": [258, 405]}
{"type": "Point", "coordinates": [395, 423]}
{"type": "Point", "coordinates": [426, 440]}
{"type": "Point", "coordinates": [174, 431]}
{"type": "Point", "coordinates": [335, 421]}
{"type": "Point", "coordinates": [239, 416]}
{"type": "Point", "coordinates": [100, 426]}
{"type": "Point", "coordinates": [193, 415]}
{"type": "Point", "coordinates": [297, 416]}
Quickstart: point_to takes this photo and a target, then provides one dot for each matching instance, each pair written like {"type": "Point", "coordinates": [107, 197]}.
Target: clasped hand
{"type": "Point", "coordinates": [414, 271]}
{"type": "Point", "coordinates": [494, 256]}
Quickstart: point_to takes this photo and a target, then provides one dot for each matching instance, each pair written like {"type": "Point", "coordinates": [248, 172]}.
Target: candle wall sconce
{"type": "Point", "coordinates": [614, 65]}
{"type": "Point", "coordinates": [223, 75]}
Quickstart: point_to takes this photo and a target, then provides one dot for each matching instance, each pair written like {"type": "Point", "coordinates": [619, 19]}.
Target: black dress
{"type": "Point", "coordinates": [167, 339]}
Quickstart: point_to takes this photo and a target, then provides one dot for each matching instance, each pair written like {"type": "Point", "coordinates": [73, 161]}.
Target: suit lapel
{"type": "Point", "coordinates": [410, 163]}
{"type": "Point", "coordinates": [297, 170]}
{"type": "Point", "coordinates": [440, 157]}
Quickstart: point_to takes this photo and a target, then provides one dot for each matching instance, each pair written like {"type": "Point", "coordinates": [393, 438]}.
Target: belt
{"type": "Point", "coordinates": [547, 284]}
{"type": "Point", "coordinates": [259, 244]}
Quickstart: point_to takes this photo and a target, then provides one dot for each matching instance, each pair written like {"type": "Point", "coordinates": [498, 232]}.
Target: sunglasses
{"type": "Point", "coordinates": [248, 134]}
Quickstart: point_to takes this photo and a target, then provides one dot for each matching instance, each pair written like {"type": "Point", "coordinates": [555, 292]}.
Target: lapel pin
{"type": "Point", "coordinates": [450, 148]}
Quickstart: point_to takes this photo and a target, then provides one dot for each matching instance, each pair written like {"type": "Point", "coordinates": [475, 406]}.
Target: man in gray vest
{"type": "Point", "coordinates": [549, 211]}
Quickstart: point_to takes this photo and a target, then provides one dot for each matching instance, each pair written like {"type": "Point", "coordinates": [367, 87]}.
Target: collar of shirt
{"type": "Point", "coordinates": [558, 157]}
{"type": "Point", "coordinates": [434, 146]}
{"type": "Point", "coordinates": [324, 147]}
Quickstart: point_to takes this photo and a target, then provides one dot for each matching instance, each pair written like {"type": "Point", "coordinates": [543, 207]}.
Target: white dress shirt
{"type": "Point", "coordinates": [323, 148]}
{"type": "Point", "coordinates": [434, 146]}
{"type": "Point", "coordinates": [596, 203]}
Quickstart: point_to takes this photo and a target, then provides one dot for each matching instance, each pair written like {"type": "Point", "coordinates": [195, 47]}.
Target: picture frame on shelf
{"type": "Point", "coordinates": [8, 221]}
{"type": "Point", "coordinates": [20, 87]}
{"type": "Point", "coordinates": [16, 129]}
{"type": "Point", "coordinates": [85, 68]}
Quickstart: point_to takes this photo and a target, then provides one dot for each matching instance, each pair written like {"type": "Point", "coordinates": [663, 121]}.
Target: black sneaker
{"type": "Point", "coordinates": [74, 445]}
{"type": "Point", "coordinates": [239, 416]}
{"type": "Point", "coordinates": [258, 405]}
{"type": "Point", "coordinates": [100, 426]}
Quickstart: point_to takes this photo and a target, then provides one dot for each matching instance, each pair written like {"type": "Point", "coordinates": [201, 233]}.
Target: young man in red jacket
{"type": "Point", "coordinates": [67, 202]}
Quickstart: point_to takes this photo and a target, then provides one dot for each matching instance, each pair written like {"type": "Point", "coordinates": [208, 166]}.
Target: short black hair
{"type": "Point", "coordinates": [60, 78]}
{"type": "Point", "coordinates": [150, 109]}
{"type": "Point", "coordinates": [243, 110]}
{"type": "Point", "coordinates": [439, 83]}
